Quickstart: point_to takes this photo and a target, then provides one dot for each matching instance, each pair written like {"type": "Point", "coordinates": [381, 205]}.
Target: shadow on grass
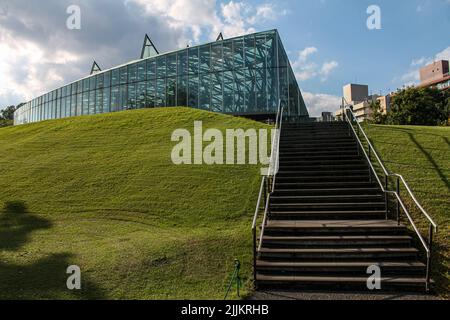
{"type": "Point", "coordinates": [436, 167]}
{"type": "Point", "coordinates": [44, 278]}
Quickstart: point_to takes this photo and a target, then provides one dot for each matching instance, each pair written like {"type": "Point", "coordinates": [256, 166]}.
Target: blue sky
{"type": "Point", "coordinates": [328, 41]}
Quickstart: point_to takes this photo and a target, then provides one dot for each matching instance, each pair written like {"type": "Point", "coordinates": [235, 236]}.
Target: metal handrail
{"type": "Point", "coordinates": [428, 246]}
{"type": "Point", "coordinates": [389, 174]}
{"type": "Point", "coordinates": [267, 188]}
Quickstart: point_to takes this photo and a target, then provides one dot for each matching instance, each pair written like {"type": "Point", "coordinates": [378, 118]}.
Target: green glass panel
{"type": "Point", "coordinates": [172, 65]}
{"type": "Point", "coordinates": [171, 92]}
{"type": "Point", "coordinates": [92, 102]}
{"type": "Point", "coordinates": [141, 71]}
{"type": "Point", "coordinates": [106, 100]}
{"type": "Point", "coordinates": [85, 109]}
{"type": "Point", "coordinates": [99, 101]}
{"type": "Point", "coordinates": [205, 59]}
{"type": "Point", "coordinates": [131, 103]}
{"type": "Point", "coordinates": [115, 77]}
{"type": "Point", "coordinates": [217, 57]}
{"type": "Point", "coordinates": [182, 91]}
{"type": "Point", "coordinates": [193, 61]}
{"type": "Point", "coordinates": [161, 67]}
{"type": "Point", "coordinates": [160, 93]}
{"type": "Point", "coordinates": [193, 92]}
{"type": "Point", "coordinates": [140, 94]}
{"type": "Point", "coordinates": [182, 63]}
{"type": "Point", "coordinates": [151, 94]}
{"type": "Point", "coordinates": [151, 69]}
{"type": "Point", "coordinates": [123, 75]}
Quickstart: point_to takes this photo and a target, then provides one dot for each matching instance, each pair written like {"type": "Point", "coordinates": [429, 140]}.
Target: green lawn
{"type": "Point", "coordinates": [101, 192]}
{"type": "Point", "coordinates": [422, 156]}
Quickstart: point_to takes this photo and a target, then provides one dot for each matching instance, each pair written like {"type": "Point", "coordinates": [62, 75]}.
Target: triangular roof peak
{"type": "Point", "coordinates": [95, 68]}
{"type": "Point", "coordinates": [148, 48]}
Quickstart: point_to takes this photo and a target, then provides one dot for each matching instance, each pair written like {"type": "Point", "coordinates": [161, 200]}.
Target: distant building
{"type": "Point", "coordinates": [355, 93]}
{"type": "Point", "coordinates": [327, 117]}
{"type": "Point", "coordinates": [435, 75]}
{"type": "Point", "coordinates": [362, 110]}
{"type": "Point", "coordinates": [385, 104]}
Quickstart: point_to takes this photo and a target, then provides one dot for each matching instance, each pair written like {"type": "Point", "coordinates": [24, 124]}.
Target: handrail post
{"type": "Point", "coordinates": [430, 249]}
{"type": "Point", "coordinates": [265, 189]}
{"type": "Point", "coordinates": [386, 185]}
{"type": "Point", "coordinates": [254, 258]}
{"type": "Point", "coordinates": [398, 202]}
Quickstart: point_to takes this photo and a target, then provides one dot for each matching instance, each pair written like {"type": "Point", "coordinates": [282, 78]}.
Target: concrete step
{"type": "Point", "coordinates": [319, 198]}
{"type": "Point", "coordinates": [320, 254]}
{"type": "Point", "coordinates": [362, 227]}
{"type": "Point", "coordinates": [336, 241]}
{"type": "Point", "coordinates": [326, 214]}
{"type": "Point", "coordinates": [291, 172]}
{"type": "Point", "coordinates": [343, 283]}
{"type": "Point", "coordinates": [331, 268]}
{"type": "Point", "coordinates": [328, 206]}
{"type": "Point", "coordinates": [289, 190]}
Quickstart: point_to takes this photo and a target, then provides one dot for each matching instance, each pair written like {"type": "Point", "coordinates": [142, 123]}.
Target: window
{"type": "Point", "coordinates": [161, 67]}
{"type": "Point", "coordinates": [193, 61]}
{"type": "Point", "coordinates": [172, 65]}
{"type": "Point", "coordinates": [171, 91]}
{"type": "Point", "coordinates": [106, 100]}
{"type": "Point", "coordinates": [151, 69]}
{"type": "Point", "coordinates": [132, 69]}
{"type": "Point", "coordinates": [115, 77]}
{"type": "Point", "coordinates": [115, 98]}
{"type": "Point", "coordinates": [182, 63]}
{"type": "Point", "coordinates": [205, 59]}
{"type": "Point", "coordinates": [107, 79]}
{"type": "Point", "coordinates": [160, 93]}
{"type": "Point", "coordinates": [216, 57]}
{"type": "Point", "coordinates": [123, 75]}
{"type": "Point", "coordinates": [141, 71]}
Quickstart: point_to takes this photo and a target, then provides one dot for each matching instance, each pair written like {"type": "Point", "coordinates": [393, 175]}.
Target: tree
{"type": "Point", "coordinates": [7, 113]}
{"type": "Point", "coordinates": [419, 106]}
{"type": "Point", "coordinates": [377, 115]}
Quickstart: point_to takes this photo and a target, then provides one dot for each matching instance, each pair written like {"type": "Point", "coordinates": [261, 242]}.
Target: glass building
{"type": "Point", "coordinates": [245, 76]}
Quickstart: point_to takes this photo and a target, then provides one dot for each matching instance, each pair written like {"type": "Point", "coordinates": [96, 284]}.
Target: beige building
{"type": "Point", "coordinates": [436, 75]}
{"type": "Point", "coordinates": [434, 71]}
{"type": "Point", "coordinates": [385, 104]}
{"type": "Point", "coordinates": [362, 110]}
{"type": "Point", "coordinates": [354, 93]}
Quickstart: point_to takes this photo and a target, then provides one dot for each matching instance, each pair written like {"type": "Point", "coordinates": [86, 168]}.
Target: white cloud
{"type": "Point", "coordinates": [305, 69]}
{"type": "Point", "coordinates": [319, 102]}
{"type": "Point", "coordinates": [305, 53]}
{"type": "Point", "coordinates": [327, 69]}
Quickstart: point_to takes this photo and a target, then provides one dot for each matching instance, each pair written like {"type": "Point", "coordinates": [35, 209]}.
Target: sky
{"type": "Point", "coordinates": [328, 41]}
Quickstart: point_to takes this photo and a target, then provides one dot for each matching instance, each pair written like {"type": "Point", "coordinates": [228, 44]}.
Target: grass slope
{"type": "Point", "coordinates": [422, 156]}
{"type": "Point", "coordinates": [101, 192]}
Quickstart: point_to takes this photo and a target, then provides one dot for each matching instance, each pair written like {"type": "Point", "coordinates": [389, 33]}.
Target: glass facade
{"type": "Point", "coordinates": [246, 75]}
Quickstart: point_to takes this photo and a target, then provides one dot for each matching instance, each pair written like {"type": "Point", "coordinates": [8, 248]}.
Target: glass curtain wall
{"type": "Point", "coordinates": [241, 76]}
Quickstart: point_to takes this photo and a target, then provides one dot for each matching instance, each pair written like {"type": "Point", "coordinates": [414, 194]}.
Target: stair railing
{"type": "Point", "coordinates": [267, 188]}
{"type": "Point", "coordinates": [350, 117]}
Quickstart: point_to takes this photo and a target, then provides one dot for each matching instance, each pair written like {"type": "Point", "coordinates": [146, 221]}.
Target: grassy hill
{"type": "Point", "coordinates": [101, 192]}
{"type": "Point", "coordinates": [422, 156]}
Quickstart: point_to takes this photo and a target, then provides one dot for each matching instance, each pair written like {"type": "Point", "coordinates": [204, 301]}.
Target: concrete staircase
{"type": "Point", "coordinates": [327, 220]}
